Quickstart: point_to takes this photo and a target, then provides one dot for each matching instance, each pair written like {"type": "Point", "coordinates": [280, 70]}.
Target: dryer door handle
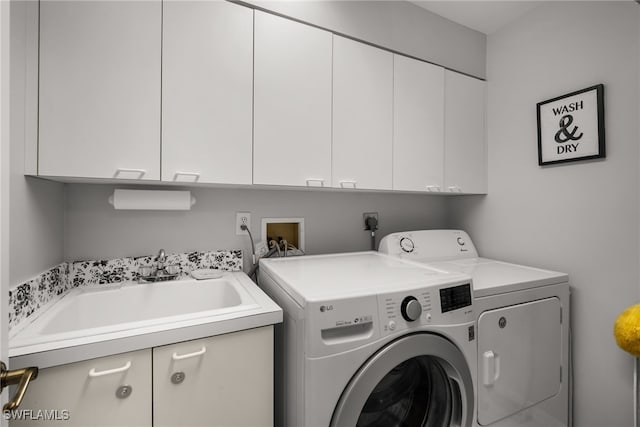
{"type": "Point", "coordinates": [491, 365]}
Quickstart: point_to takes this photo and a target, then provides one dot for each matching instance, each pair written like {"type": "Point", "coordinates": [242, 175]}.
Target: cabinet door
{"type": "Point", "coordinates": [362, 115]}
{"type": "Point", "coordinates": [90, 393]}
{"type": "Point", "coordinates": [465, 144]}
{"type": "Point", "coordinates": [292, 123]}
{"type": "Point", "coordinates": [207, 72]}
{"type": "Point", "coordinates": [418, 125]}
{"type": "Point", "coordinates": [225, 380]}
{"type": "Point", "coordinates": [100, 89]}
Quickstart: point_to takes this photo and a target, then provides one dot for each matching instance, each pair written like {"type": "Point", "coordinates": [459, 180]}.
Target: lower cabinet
{"type": "Point", "coordinates": [110, 391]}
{"type": "Point", "coordinates": [226, 380]}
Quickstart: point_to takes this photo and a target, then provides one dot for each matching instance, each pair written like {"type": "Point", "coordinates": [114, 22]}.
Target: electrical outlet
{"type": "Point", "coordinates": [242, 218]}
{"type": "Point", "coordinates": [367, 215]}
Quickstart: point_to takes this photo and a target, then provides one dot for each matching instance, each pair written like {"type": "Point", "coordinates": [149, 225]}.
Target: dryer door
{"type": "Point", "coordinates": [519, 357]}
{"type": "Point", "coordinates": [417, 380]}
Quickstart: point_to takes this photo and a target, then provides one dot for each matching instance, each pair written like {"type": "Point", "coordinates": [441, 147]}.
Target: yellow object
{"type": "Point", "coordinates": [627, 330]}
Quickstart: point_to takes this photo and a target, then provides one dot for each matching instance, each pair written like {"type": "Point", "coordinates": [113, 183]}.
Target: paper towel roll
{"type": "Point", "coordinates": [152, 200]}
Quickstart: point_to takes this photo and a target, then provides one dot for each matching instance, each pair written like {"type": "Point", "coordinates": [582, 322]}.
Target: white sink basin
{"type": "Point", "coordinates": [131, 304]}
{"type": "Point", "coordinates": [114, 312]}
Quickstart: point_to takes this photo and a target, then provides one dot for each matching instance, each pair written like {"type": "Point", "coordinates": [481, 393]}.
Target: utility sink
{"type": "Point", "coordinates": [126, 306]}
{"type": "Point", "coordinates": [100, 313]}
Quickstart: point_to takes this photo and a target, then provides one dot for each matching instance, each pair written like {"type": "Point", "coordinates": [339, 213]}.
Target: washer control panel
{"type": "Point", "coordinates": [400, 310]}
{"type": "Point", "coordinates": [437, 305]}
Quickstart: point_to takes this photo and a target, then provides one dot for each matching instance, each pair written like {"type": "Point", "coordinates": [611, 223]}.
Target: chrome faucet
{"type": "Point", "coordinates": [159, 272]}
{"type": "Point", "coordinates": [162, 259]}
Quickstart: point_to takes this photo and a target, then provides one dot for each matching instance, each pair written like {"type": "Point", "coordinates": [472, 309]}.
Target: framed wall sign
{"type": "Point", "coordinates": [571, 127]}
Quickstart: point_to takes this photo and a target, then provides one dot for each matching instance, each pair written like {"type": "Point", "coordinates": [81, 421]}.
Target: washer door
{"type": "Point", "coordinates": [418, 380]}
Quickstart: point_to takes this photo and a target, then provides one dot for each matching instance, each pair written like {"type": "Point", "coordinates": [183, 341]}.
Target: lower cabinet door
{"type": "Point", "coordinates": [226, 380]}
{"type": "Point", "coordinates": [109, 391]}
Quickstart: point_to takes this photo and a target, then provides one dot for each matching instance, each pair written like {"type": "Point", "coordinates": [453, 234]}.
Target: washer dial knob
{"type": "Point", "coordinates": [411, 309]}
{"type": "Point", "coordinates": [406, 244]}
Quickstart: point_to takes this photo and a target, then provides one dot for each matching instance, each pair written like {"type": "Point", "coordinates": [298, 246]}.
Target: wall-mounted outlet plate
{"type": "Point", "coordinates": [367, 215]}
{"type": "Point", "coordinates": [242, 218]}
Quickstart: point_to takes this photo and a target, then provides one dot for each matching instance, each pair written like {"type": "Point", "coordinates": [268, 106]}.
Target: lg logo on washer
{"type": "Point", "coordinates": [325, 308]}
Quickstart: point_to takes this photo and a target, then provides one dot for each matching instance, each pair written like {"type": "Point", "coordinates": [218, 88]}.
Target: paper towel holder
{"type": "Point", "coordinates": [167, 200]}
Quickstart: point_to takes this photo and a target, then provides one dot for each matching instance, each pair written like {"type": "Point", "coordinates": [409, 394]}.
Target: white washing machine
{"type": "Point", "coordinates": [523, 329]}
{"type": "Point", "coordinates": [371, 340]}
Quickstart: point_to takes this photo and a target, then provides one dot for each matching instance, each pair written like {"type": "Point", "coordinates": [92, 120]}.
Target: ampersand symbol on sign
{"type": "Point", "coordinates": [564, 135]}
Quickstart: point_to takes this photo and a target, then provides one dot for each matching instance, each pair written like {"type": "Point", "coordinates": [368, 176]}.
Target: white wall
{"type": "Point", "coordinates": [396, 25]}
{"type": "Point", "coordinates": [333, 221]}
{"type": "Point", "coordinates": [581, 218]}
{"type": "Point", "coordinates": [36, 206]}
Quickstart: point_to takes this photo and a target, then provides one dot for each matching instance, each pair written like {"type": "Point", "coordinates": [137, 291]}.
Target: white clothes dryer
{"type": "Point", "coordinates": [371, 340]}
{"type": "Point", "coordinates": [523, 329]}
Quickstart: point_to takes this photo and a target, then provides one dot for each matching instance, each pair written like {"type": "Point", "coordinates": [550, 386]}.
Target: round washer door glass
{"type": "Point", "coordinates": [417, 392]}
{"type": "Point", "coordinates": [415, 381]}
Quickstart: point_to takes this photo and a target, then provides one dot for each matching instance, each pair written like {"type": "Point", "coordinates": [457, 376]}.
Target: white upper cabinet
{"type": "Point", "coordinates": [99, 106]}
{"type": "Point", "coordinates": [207, 72]}
{"type": "Point", "coordinates": [465, 141]}
{"type": "Point", "coordinates": [292, 96]}
{"type": "Point", "coordinates": [362, 115]}
{"type": "Point", "coordinates": [214, 92]}
{"type": "Point", "coordinates": [418, 125]}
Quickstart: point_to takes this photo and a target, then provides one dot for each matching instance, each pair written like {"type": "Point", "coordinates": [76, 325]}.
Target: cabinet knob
{"type": "Point", "coordinates": [177, 378]}
{"type": "Point", "coordinates": [124, 391]}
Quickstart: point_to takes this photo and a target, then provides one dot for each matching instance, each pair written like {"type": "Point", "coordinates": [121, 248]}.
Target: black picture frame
{"type": "Point", "coordinates": [571, 127]}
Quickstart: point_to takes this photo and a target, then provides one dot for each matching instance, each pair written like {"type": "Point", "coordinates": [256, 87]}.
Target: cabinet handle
{"type": "Point", "coordinates": [140, 172]}
{"type": "Point", "coordinates": [348, 182]}
{"type": "Point", "coordinates": [455, 189]}
{"type": "Point", "coordinates": [433, 188]}
{"type": "Point", "coordinates": [200, 352]}
{"type": "Point", "coordinates": [195, 175]}
{"type": "Point", "coordinates": [312, 180]}
{"type": "Point", "coordinates": [93, 373]}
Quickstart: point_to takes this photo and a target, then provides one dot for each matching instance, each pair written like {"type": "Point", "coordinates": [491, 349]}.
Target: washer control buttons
{"type": "Point", "coordinates": [392, 325]}
{"type": "Point", "coordinates": [406, 244]}
{"type": "Point", "coordinates": [411, 309]}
